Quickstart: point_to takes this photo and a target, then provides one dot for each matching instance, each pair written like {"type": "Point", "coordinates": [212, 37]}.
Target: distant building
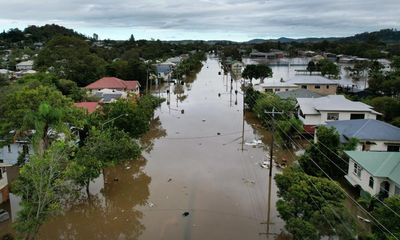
{"type": "Point", "coordinates": [316, 111]}
{"type": "Point", "coordinates": [374, 135]}
{"type": "Point", "coordinates": [116, 84]}
{"type": "Point", "coordinates": [273, 54]}
{"type": "Point", "coordinates": [164, 70]}
{"type": "Point", "coordinates": [315, 84]}
{"type": "Point", "coordinates": [375, 172]}
{"type": "Point", "coordinates": [24, 66]}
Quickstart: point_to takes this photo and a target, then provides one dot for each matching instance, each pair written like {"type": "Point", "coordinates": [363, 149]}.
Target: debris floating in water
{"type": "Point", "coordinates": [245, 180]}
{"type": "Point", "coordinates": [169, 180]}
{"type": "Point", "coordinates": [185, 214]}
{"type": "Point", "coordinates": [253, 143]}
{"type": "Point", "coordinates": [264, 164]}
{"type": "Point", "coordinates": [150, 204]}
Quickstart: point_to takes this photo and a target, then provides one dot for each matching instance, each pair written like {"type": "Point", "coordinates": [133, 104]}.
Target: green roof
{"type": "Point", "coordinates": [379, 164]}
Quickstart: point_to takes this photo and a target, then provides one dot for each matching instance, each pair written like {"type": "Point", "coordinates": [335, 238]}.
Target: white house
{"type": "Point", "coordinates": [26, 65]}
{"type": "Point", "coordinates": [316, 111]}
{"type": "Point", "coordinates": [375, 172]}
{"type": "Point", "coordinates": [373, 135]}
{"type": "Point", "coordinates": [316, 84]}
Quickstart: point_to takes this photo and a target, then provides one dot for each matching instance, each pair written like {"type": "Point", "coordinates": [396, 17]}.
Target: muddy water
{"type": "Point", "coordinates": [193, 162]}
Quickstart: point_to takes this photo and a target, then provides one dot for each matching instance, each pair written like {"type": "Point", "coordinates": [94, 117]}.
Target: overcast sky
{"type": "Point", "coordinates": [205, 19]}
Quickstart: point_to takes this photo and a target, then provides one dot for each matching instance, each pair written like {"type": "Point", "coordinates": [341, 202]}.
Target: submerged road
{"type": "Point", "coordinates": [193, 162]}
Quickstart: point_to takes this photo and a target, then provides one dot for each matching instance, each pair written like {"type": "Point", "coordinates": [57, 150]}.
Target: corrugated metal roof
{"type": "Point", "coordinates": [298, 93]}
{"type": "Point", "coordinates": [336, 103]}
{"type": "Point", "coordinates": [366, 129]}
{"type": "Point", "coordinates": [379, 164]}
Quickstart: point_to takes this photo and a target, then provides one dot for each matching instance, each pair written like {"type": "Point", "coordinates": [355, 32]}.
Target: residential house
{"type": "Point", "coordinates": [316, 111]}
{"type": "Point", "coordinates": [273, 54]}
{"type": "Point", "coordinates": [89, 107]}
{"type": "Point", "coordinates": [316, 84]}
{"type": "Point", "coordinates": [115, 84]}
{"type": "Point", "coordinates": [374, 135]}
{"type": "Point", "coordinates": [9, 153]}
{"type": "Point", "coordinates": [374, 172]}
{"type": "Point", "coordinates": [164, 70]}
{"type": "Point", "coordinates": [24, 66]}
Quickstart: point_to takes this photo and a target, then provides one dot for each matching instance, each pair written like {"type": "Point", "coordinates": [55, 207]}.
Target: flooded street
{"type": "Point", "coordinates": [193, 162]}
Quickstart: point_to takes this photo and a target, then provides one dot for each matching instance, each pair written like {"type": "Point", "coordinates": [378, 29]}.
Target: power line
{"type": "Point", "coordinates": [375, 220]}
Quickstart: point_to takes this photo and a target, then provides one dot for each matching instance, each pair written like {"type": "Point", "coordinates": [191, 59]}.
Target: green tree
{"type": "Point", "coordinates": [101, 149]}
{"type": "Point", "coordinates": [384, 214]}
{"type": "Point", "coordinates": [289, 129]}
{"type": "Point", "coordinates": [328, 68]}
{"type": "Point", "coordinates": [43, 186]}
{"type": "Point", "coordinates": [388, 106]}
{"type": "Point", "coordinates": [138, 115]}
{"type": "Point", "coordinates": [311, 67]}
{"type": "Point", "coordinates": [268, 102]}
{"type": "Point", "coordinates": [263, 71]}
{"type": "Point", "coordinates": [318, 203]}
{"type": "Point", "coordinates": [326, 153]}
{"type": "Point", "coordinates": [70, 58]}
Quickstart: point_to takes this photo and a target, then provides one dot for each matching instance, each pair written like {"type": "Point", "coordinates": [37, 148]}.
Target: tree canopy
{"type": "Point", "coordinates": [312, 207]}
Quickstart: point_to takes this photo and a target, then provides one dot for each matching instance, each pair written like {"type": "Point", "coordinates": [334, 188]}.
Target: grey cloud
{"type": "Point", "coordinates": [248, 17]}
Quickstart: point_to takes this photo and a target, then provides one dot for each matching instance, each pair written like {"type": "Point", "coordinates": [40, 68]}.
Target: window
{"type": "Point", "coordinates": [357, 170]}
{"type": "Point", "coordinates": [304, 86]}
{"type": "Point", "coordinates": [357, 116]}
{"type": "Point", "coordinates": [396, 190]}
{"type": "Point", "coordinates": [277, 89]}
{"type": "Point", "coordinates": [317, 86]}
{"type": "Point", "coordinates": [286, 89]}
{"type": "Point", "coordinates": [9, 148]}
{"type": "Point", "coordinates": [371, 182]}
{"type": "Point", "coordinates": [333, 116]}
{"type": "Point", "coordinates": [327, 86]}
{"type": "Point", "coordinates": [392, 148]}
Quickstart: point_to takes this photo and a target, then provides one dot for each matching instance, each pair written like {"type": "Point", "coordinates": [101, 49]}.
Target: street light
{"type": "Point", "coordinates": [124, 114]}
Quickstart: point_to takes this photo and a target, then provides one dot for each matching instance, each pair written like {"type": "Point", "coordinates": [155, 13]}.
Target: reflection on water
{"type": "Point", "coordinates": [110, 214]}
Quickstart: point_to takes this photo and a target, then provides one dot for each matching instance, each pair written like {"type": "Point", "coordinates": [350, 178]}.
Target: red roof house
{"type": "Point", "coordinates": [114, 83]}
{"type": "Point", "coordinates": [89, 106]}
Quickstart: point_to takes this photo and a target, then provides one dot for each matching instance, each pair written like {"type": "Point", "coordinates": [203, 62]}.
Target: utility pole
{"type": "Point", "coordinates": [271, 154]}
{"type": "Point", "coordinates": [271, 148]}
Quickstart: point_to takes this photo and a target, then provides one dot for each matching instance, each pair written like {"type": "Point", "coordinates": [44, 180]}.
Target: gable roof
{"type": "Point", "coordinates": [89, 106]}
{"type": "Point", "coordinates": [335, 103]}
{"type": "Point", "coordinates": [113, 83]}
{"type": "Point", "coordinates": [298, 93]}
{"type": "Point", "coordinates": [366, 129]}
{"type": "Point", "coordinates": [379, 164]}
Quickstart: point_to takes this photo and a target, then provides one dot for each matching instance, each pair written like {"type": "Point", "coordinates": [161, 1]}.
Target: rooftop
{"type": "Point", "coordinates": [29, 62]}
{"type": "Point", "coordinates": [379, 164]}
{"type": "Point", "coordinates": [335, 103]}
{"type": "Point", "coordinates": [298, 93]}
{"type": "Point", "coordinates": [89, 106]}
{"type": "Point", "coordinates": [113, 83]}
{"type": "Point", "coordinates": [366, 129]}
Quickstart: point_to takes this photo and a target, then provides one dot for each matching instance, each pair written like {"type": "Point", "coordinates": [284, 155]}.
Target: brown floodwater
{"type": "Point", "coordinates": [193, 162]}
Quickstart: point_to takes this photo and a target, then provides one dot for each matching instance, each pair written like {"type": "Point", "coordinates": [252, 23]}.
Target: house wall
{"type": "Point", "coordinates": [3, 186]}
{"type": "Point", "coordinates": [323, 90]}
{"type": "Point", "coordinates": [363, 181]}
{"type": "Point", "coordinates": [11, 157]}
{"type": "Point", "coordinates": [279, 89]}
{"type": "Point", "coordinates": [345, 115]}
{"type": "Point", "coordinates": [380, 146]}
{"type": "Point", "coordinates": [24, 67]}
